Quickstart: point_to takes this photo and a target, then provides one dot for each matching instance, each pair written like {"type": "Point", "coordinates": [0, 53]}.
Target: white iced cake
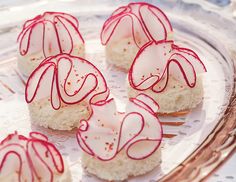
{"type": "Point", "coordinates": [129, 28]}
{"type": "Point", "coordinates": [31, 159]}
{"type": "Point", "coordinates": [117, 145]}
{"type": "Point", "coordinates": [59, 92]}
{"type": "Point", "coordinates": [48, 35]}
{"type": "Point", "coordinates": [170, 74]}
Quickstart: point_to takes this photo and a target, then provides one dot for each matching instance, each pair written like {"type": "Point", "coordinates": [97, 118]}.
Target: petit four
{"type": "Point", "coordinates": [59, 92]}
{"type": "Point", "coordinates": [48, 35]}
{"type": "Point", "coordinates": [129, 28]}
{"type": "Point", "coordinates": [170, 74]}
{"type": "Point", "coordinates": [30, 159]}
{"type": "Point", "coordinates": [120, 145]}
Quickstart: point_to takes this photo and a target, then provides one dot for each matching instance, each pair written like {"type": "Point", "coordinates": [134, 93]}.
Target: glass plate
{"type": "Point", "coordinates": [202, 139]}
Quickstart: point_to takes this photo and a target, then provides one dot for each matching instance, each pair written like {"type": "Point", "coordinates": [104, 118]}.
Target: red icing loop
{"type": "Point", "coordinates": [31, 158]}
{"type": "Point", "coordinates": [156, 61]}
{"type": "Point", "coordinates": [68, 79]}
{"type": "Point", "coordinates": [52, 33]}
{"type": "Point", "coordinates": [145, 20]}
{"type": "Point", "coordinates": [107, 132]}
{"type": "Point", "coordinates": [39, 136]}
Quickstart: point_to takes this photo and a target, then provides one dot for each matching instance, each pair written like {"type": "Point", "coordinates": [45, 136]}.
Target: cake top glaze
{"type": "Point", "coordinates": [145, 22]}
{"type": "Point", "coordinates": [157, 61]}
{"type": "Point", "coordinates": [50, 33]}
{"type": "Point", "coordinates": [68, 79]}
{"type": "Point", "coordinates": [107, 132]}
{"type": "Point", "coordinates": [29, 159]}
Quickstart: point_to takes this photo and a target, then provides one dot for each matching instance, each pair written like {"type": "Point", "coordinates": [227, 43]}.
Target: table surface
{"type": "Point", "coordinates": [226, 173]}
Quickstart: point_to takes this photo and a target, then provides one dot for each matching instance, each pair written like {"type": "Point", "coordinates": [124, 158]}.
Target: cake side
{"type": "Point", "coordinates": [176, 97]}
{"type": "Point", "coordinates": [66, 118]}
{"type": "Point", "coordinates": [121, 167]}
{"type": "Point", "coordinates": [121, 53]}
